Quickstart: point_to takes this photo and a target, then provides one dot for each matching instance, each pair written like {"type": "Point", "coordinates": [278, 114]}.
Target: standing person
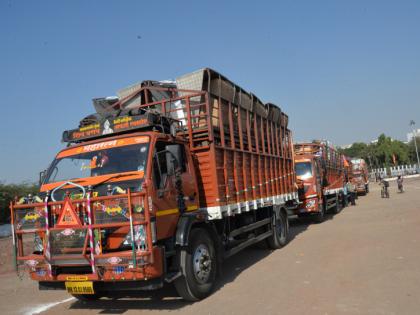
{"type": "Point", "coordinates": [400, 183]}
{"type": "Point", "coordinates": [351, 190]}
{"type": "Point", "coordinates": [384, 190]}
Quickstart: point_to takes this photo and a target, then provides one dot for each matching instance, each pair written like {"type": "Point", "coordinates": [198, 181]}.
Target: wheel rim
{"type": "Point", "coordinates": [202, 263]}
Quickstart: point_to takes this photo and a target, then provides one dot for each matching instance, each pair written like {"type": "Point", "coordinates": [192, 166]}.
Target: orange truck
{"type": "Point", "coordinates": [321, 179]}
{"type": "Point", "coordinates": [160, 185]}
{"type": "Point", "coordinates": [360, 176]}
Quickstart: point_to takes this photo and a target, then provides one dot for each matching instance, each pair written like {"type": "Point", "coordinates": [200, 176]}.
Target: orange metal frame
{"type": "Point", "coordinates": [53, 210]}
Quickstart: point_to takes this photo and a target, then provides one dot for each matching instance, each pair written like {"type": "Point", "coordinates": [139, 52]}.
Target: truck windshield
{"type": "Point", "coordinates": [303, 169]}
{"type": "Point", "coordinates": [115, 160]}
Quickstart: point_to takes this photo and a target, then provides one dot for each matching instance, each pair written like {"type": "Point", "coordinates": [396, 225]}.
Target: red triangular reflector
{"type": "Point", "coordinates": [68, 216]}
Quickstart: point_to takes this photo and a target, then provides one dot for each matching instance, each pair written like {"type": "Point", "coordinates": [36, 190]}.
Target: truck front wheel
{"type": "Point", "coordinates": [320, 216]}
{"type": "Point", "coordinates": [198, 266]}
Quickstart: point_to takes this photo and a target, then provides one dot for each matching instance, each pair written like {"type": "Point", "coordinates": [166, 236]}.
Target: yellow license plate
{"type": "Point", "coordinates": [79, 287]}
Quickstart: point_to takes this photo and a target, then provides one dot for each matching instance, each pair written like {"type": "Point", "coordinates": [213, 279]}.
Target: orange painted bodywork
{"type": "Point", "coordinates": [360, 175]}
{"type": "Point", "coordinates": [162, 208]}
{"type": "Point", "coordinates": [232, 156]}
{"type": "Point", "coordinates": [325, 178]}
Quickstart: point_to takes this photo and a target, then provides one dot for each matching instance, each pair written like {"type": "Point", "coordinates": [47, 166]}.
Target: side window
{"type": "Point", "coordinates": [183, 165]}
{"type": "Point", "coordinates": [159, 165]}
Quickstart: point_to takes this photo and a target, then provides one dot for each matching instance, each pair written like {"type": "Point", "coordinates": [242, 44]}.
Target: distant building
{"type": "Point", "coordinates": [410, 135]}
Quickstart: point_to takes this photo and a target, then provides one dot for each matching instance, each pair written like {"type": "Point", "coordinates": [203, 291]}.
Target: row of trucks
{"type": "Point", "coordinates": [327, 180]}
{"type": "Point", "coordinates": [163, 183]}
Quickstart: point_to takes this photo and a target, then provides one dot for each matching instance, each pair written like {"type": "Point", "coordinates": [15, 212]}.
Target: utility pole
{"type": "Point", "coordinates": [412, 123]}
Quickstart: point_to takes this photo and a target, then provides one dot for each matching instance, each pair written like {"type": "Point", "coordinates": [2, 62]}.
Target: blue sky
{"type": "Point", "coordinates": [342, 70]}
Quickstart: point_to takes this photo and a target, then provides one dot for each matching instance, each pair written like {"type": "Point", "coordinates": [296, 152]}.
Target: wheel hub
{"type": "Point", "coordinates": [202, 263]}
{"type": "Point", "coordinates": [280, 228]}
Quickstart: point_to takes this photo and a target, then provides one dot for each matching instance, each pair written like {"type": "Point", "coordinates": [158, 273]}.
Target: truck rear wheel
{"type": "Point", "coordinates": [338, 204]}
{"type": "Point", "coordinates": [198, 266]}
{"type": "Point", "coordinates": [280, 232]}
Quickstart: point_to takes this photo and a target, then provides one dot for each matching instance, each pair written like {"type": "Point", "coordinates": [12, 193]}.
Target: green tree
{"type": "Point", "coordinates": [382, 152]}
{"type": "Point", "coordinates": [8, 192]}
{"type": "Point", "coordinates": [357, 149]}
{"type": "Point", "coordinates": [412, 150]}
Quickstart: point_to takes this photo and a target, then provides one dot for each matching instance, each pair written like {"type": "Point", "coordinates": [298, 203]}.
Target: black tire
{"type": "Point", "coordinates": [198, 264]}
{"type": "Point", "coordinates": [338, 204]}
{"type": "Point", "coordinates": [280, 232]}
{"type": "Point", "coordinates": [87, 297]}
{"type": "Point", "coordinates": [367, 189]}
{"type": "Point", "coordinates": [320, 216]}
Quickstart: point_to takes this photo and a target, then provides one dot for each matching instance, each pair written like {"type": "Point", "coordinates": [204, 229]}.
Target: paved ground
{"type": "Point", "coordinates": [365, 260]}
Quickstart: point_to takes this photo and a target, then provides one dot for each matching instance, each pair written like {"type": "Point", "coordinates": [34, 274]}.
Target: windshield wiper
{"type": "Point", "coordinates": [113, 177]}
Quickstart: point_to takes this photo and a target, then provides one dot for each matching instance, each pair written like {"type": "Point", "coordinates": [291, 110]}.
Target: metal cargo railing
{"type": "Point", "coordinates": [82, 244]}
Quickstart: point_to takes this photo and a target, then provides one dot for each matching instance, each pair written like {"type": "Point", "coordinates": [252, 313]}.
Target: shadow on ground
{"type": "Point", "coordinates": [167, 298]}
{"type": "Point", "coordinates": [300, 225]}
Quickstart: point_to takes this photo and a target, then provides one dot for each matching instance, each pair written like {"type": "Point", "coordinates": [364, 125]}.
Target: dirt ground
{"type": "Point", "coordinates": [365, 260]}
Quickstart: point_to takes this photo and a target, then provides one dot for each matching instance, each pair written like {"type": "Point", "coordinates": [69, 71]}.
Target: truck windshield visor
{"type": "Point", "coordinates": [303, 170]}
{"type": "Point", "coordinates": [110, 157]}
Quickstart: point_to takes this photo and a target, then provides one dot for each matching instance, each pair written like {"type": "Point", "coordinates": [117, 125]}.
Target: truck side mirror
{"type": "Point", "coordinates": [174, 158]}
{"type": "Point", "coordinates": [42, 175]}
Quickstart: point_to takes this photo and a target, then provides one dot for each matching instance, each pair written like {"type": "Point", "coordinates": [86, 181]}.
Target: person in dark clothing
{"type": "Point", "coordinates": [351, 190]}
{"type": "Point", "coordinates": [400, 183]}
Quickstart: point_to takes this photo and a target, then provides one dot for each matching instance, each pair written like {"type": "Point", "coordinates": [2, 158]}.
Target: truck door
{"type": "Point", "coordinates": [318, 178]}
{"type": "Point", "coordinates": [165, 200]}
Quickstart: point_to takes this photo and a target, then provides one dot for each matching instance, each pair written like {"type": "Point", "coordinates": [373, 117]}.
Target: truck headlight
{"type": "Point", "coordinates": [140, 236]}
{"type": "Point", "coordinates": [310, 204]}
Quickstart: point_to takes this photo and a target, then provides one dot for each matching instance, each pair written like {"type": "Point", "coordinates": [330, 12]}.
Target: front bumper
{"type": "Point", "coordinates": [308, 206]}
{"type": "Point", "coordinates": [105, 273]}
{"type": "Point", "coordinates": [109, 286]}
{"type": "Point", "coordinates": [361, 189]}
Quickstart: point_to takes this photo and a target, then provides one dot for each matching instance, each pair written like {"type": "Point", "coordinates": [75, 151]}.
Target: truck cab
{"type": "Point", "coordinates": [309, 177]}
{"type": "Point", "coordinates": [320, 177]}
{"type": "Point", "coordinates": [360, 176]}
{"type": "Point", "coordinates": [112, 204]}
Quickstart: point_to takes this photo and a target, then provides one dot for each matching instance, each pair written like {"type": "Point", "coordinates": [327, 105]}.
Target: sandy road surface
{"type": "Point", "coordinates": [365, 260]}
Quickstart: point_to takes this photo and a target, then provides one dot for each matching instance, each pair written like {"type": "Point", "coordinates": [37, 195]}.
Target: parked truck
{"type": "Point", "coordinates": [321, 179]}
{"type": "Point", "coordinates": [360, 176]}
{"type": "Point", "coordinates": [160, 185]}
